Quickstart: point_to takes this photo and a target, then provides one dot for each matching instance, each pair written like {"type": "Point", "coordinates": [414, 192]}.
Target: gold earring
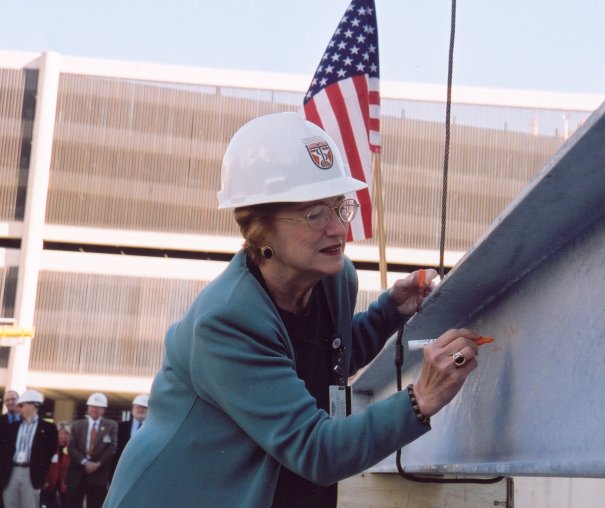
{"type": "Point", "coordinates": [266, 252]}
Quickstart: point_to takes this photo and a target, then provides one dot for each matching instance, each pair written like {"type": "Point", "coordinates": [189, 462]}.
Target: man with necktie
{"type": "Point", "coordinates": [26, 449]}
{"type": "Point", "coordinates": [91, 448]}
{"type": "Point", "coordinates": [140, 407]}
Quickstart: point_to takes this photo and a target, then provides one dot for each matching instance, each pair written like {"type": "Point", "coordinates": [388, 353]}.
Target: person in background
{"type": "Point", "coordinates": [12, 414]}
{"type": "Point", "coordinates": [249, 408]}
{"type": "Point", "coordinates": [54, 493]}
{"type": "Point", "coordinates": [92, 447]}
{"type": "Point", "coordinates": [138, 413]}
{"type": "Point", "coordinates": [12, 410]}
{"type": "Point", "coordinates": [26, 450]}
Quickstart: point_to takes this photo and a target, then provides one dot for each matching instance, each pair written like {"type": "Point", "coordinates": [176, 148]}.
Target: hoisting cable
{"type": "Point", "coordinates": [399, 340]}
{"type": "Point", "coordinates": [446, 148]}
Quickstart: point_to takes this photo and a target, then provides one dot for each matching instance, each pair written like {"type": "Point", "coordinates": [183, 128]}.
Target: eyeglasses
{"type": "Point", "coordinates": [319, 216]}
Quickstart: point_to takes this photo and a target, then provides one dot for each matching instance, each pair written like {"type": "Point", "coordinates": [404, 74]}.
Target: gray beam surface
{"type": "Point", "coordinates": [535, 281]}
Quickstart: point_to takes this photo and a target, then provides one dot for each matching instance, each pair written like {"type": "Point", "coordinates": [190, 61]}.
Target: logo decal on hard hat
{"type": "Point", "coordinates": [320, 152]}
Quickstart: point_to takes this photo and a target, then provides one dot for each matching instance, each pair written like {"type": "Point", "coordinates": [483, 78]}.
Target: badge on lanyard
{"type": "Point", "coordinates": [340, 401]}
{"type": "Point", "coordinates": [21, 457]}
{"type": "Point", "coordinates": [340, 393]}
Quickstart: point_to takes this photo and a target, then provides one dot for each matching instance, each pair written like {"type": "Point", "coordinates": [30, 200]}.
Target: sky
{"type": "Point", "coordinates": [549, 45]}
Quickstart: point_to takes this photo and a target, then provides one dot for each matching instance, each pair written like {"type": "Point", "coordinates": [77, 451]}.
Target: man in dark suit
{"type": "Point", "coordinates": [12, 414]}
{"type": "Point", "coordinates": [126, 430]}
{"type": "Point", "coordinates": [91, 448]}
{"type": "Point", "coordinates": [26, 449]}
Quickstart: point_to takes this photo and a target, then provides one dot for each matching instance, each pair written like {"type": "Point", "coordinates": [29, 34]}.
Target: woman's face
{"type": "Point", "coordinates": [63, 438]}
{"type": "Point", "coordinates": [306, 252]}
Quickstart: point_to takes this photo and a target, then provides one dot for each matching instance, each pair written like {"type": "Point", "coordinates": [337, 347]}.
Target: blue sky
{"type": "Point", "coordinates": [552, 45]}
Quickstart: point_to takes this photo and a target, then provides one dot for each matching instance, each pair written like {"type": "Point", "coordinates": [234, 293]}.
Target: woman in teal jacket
{"type": "Point", "coordinates": [245, 409]}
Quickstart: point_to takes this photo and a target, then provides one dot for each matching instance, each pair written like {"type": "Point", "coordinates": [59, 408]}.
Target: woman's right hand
{"type": "Point", "coordinates": [440, 378]}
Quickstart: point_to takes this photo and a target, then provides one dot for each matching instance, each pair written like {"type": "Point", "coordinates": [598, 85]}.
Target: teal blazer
{"type": "Point", "coordinates": [227, 408]}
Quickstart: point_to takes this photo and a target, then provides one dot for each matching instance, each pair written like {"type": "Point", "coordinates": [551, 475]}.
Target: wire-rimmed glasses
{"type": "Point", "coordinates": [319, 216]}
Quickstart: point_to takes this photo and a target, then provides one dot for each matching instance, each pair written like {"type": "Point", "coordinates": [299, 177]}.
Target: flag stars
{"type": "Point", "coordinates": [352, 50]}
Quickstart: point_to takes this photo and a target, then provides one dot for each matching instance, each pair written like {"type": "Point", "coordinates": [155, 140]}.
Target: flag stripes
{"type": "Point", "coordinates": [344, 100]}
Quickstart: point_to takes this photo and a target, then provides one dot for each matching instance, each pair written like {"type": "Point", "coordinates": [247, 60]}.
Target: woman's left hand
{"type": "Point", "coordinates": [409, 293]}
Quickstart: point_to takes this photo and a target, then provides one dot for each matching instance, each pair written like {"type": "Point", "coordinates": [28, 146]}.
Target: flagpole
{"type": "Point", "coordinates": [382, 262]}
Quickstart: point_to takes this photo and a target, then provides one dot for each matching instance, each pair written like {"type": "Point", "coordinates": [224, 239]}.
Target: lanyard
{"type": "Point", "coordinates": [25, 438]}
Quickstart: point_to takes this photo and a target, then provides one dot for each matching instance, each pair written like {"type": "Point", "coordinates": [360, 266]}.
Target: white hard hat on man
{"type": "Point", "coordinates": [97, 399]}
{"type": "Point", "coordinates": [30, 396]}
{"type": "Point", "coordinates": [141, 400]}
{"type": "Point", "coordinates": [282, 158]}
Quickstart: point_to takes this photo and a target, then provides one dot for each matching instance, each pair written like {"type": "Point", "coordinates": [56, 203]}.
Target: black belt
{"type": "Point", "coordinates": [21, 464]}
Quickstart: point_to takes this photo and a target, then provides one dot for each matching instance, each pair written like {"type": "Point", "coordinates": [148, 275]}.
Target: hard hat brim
{"type": "Point", "coordinates": [310, 192]}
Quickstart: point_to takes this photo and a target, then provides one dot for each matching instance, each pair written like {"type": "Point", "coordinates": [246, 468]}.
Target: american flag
{"type": "Point", "coordinates": [344, 99]}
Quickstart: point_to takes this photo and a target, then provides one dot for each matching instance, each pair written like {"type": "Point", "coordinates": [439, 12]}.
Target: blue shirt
{"type": "Point", "coordinates": [25, 438]}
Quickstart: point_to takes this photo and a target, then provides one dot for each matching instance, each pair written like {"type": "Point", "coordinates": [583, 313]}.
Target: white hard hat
{"type": "Point", "coordinates": [33, 396]}
{"type": "Point", "coordinates": [97, 399]}
{"type": "Point", "coordinates": [282, 158]}
{"type": "Point", "coordinates": [141, 400]}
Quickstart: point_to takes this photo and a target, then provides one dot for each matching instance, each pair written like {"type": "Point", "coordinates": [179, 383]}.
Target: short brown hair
{"type": "Point", "coordinates": [254, 223]}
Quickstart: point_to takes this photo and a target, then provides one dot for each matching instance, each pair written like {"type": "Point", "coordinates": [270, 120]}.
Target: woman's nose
{"type": "Point", "coordinates": [336, 225]}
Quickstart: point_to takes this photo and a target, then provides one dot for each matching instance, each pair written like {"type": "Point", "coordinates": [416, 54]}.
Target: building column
{"type": "Point", "coordinates": [35, 211]}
